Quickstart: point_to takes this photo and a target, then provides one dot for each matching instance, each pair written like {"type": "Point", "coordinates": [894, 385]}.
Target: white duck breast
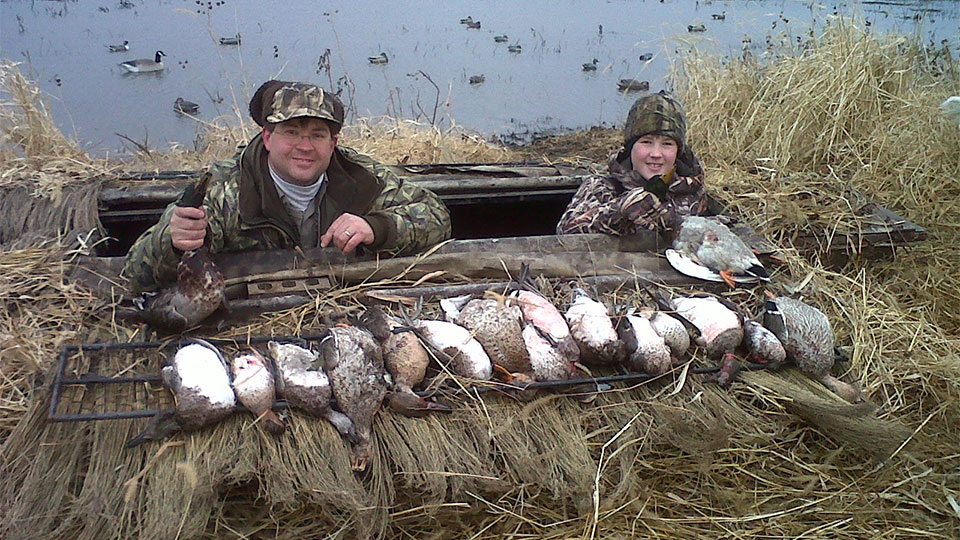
{"type": "Point", "coordinates": [198, 378]}
{"type": "Point", "coordinates": [762, 345]}
{"type": "Point", "coordinates": [469, 358]}
{"type": "Point", "coordinates": [547, 362]}
{"type": "Point", "coordinates": [305, 386]}
{"type": "Point", "coordinates": [593, 330]}
{"type": "Point", "coordinates": [647, 350]}
{"type": "Point", "coordinates": [253, 384]}
{"type": "Point", "coordinates": [720, 328]}
{"type": "Point", "coordinates": [670, 329]}
{"type": "Point", "coordinates": [538, 311]}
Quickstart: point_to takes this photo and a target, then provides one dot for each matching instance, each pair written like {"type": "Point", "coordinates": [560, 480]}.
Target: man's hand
{"type": "Point", "coordinates": [347, 232]}
{"type": "Point", "coordinates": [188, 227]}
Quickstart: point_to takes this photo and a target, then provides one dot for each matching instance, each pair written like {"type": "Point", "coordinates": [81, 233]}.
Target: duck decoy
{"type": "Point", "coordinates": [144, 65]}
{"type": "Point", "coordinates": [477, 79]}
{"type": "Point", "coordinates": [466, 20]}
{"type": "Point", "coordinates": [230, 40]}
{"type": "Point", "coordinates": [253, 384]}
{"type": "Point", "coordinates": [695, 28]}
{"type": "Point", "coordinates": [199, 379]}
{"type": "Point", "coordinates": [353, 361]}
{"type": "Point", "coordinates": [711, 244]}
{"type": "Point", "coordinates": [719, 16]}
{"type": "Point", "coordinates": [808, 340]}
{"type": "Point", "coordinates": [306, 387]}
{"type": "Point", "coordinates": [502, 38]}
{"type": "Point", "coordinates": [515, 48]}
{"type": "Point", "coordinates": [125, 46]}
{"type": "Point", "coordinates": [633, 85]}
{"type": "Point", "coordinates": [473, 24]}
{"type": "Point", "coordinates": [378, 59]}
{"type": "Point", "coordinates": [199, 289]}
{"type": "Point", "coordinates": [591, 66]}
{"type": "Point", "coordinates": [645, 57]}
{"type": "Point", "coordinates": [183, 106]}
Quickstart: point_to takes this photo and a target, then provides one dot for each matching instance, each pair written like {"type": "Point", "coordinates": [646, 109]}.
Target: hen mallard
{"type": "Point", "coordinates": [183, 106]}
{"type": "Point", "coordinates": [808, 340]}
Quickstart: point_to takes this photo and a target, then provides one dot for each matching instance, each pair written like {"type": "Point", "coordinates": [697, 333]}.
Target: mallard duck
{"type": "Point", "coordinates": [646, 57]}
{"type": "Point", "coordinates": [378, 59]}
{"type": "Point", "coordinates": [253, 384]}
{"type": "Point", "coordinates": [633, 85]}
{"type": "Point", "coordinates": [591, 66]}
{"type": "Point", "coordinates": [230, 40]}
{"type": "Point", "coordinates": [808, 341]}
{"type": "Point", "coordinates": [354, 364]}
{"type": "Point", "coordinates": [477, 79]}
{"type": "Point", "coordinates": [123, 47]}
{"type": "Point", "coordinates": [405, 359]}
{"type": "Point", "coordinates": [593, 330]}
{"type": "Point", "coordinates": [517, 49]}
{"type": "Point", "coordinates": [183, 106]}
{"type": "Point", "coordinates": [713, 245]}
{"type": "Point", "coordinates": [199, 379]}
{"type": "Point", "coordinates": [502, 38]}
{"type": "Point", "coordinates": [696, 28]}
{"type": "Point", "coordinates": [200, 288]}
{"type": "Point", "coordinates": [303, 383]}
{"type": "Point", "coordinates": [144, 65]}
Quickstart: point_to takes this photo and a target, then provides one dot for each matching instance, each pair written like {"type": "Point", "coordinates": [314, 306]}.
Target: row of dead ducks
{"type": "Point", "coordinates": [522, 337]}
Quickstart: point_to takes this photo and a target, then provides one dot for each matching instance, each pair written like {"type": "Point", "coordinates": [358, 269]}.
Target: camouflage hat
{"type": "Point", "coordinates": [279, 101]}
{"type": "Point", "coordinates": [655, 113]}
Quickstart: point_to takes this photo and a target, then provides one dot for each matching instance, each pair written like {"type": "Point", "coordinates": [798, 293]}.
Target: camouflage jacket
{"type": "Point", "coordinates": [617, 204]}
{"type": "Point", "coordinates": [245, 212]}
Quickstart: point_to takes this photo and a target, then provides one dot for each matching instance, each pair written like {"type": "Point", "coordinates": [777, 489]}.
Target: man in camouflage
{"type": "Point", "coordinates": [292, 185]}
{"type": "Point", "coordinates": [653, 182]}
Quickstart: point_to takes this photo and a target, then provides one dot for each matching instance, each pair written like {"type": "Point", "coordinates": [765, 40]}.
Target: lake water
{"type": "Point", "coordinates": [62, 45]}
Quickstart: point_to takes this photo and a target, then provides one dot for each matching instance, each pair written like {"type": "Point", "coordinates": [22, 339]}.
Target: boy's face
{"type": "Point", "coordinates": [653, 154]}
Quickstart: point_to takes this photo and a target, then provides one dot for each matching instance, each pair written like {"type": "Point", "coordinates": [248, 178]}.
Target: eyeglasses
{"type": "Point", "coordinates": [293, 137]}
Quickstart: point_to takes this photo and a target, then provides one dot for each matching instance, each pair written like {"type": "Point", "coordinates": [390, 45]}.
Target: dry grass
{"type": "Point", "coordinates": [776, 457]}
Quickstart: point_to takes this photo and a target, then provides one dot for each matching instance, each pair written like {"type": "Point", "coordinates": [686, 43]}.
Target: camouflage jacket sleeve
{"type": "Point", "coordinates": [152, 260]}
{"type": "Point", "coordinates": [601, 205]}
{"type": "Point", "coordinates": [418, 216]}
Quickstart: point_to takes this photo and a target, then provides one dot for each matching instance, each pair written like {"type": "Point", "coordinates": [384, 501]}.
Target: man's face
{"type": "Point", "coordinates": [653, 154]}
{"type": "Point", "coordinates": [300, 149]}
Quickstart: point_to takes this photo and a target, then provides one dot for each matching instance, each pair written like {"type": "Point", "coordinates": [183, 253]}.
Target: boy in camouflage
{"type": "Point", "coordinates": [653, 181]}
{"type": "Point", "coordinates": [292, 186]}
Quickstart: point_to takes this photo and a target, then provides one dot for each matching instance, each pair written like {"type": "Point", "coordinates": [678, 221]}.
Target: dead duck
{"type": "Point", "coordinates": [354, 363]}
{"type": "Point", "coordinates": [199, 379]}
{"type": "Point", "coordinates": [548, 320]}
{"type": "Point", "coordinates": [633, 85]}
{"type": "Point", "coordinates": [123, 47]}
{"type": "Point", "coordinates": [477, 79]}
{"type": "Point", "coordinates": [378, 59]}
{"type": "Point", "coordinates": [463, 355]}
{"type": "Point", "coordinates": [808, 340]}
{"type": "Point", "coordinates": [406, 360]}
{"type": "Point", "coordinates": [253, 384]}
{"type": "Point", "coordinates": [712, 244]}
{"type": "Point", "coordinates": [720, 324]}
{"type": "Point", "coordinates": [591, 66]}
{"type": "Point", "coordinates": [496, 324]}
{"type": "Point", "coordinates": [674, 334]}
{"type": "Point", "coordinates": [199, 290]}
{"type": "Point", "coordinates": [303, 383]}
{"type": "Point", "coordinates": [647, 351]}
{"type": "Point", "coordinates": [183, 106]}
{"type": "Point", "coordinates": [762, 346]}
{"type": "Point", "coordinates": [144, 65]}
{"type": "Point", "coordinates": [593, 330]}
